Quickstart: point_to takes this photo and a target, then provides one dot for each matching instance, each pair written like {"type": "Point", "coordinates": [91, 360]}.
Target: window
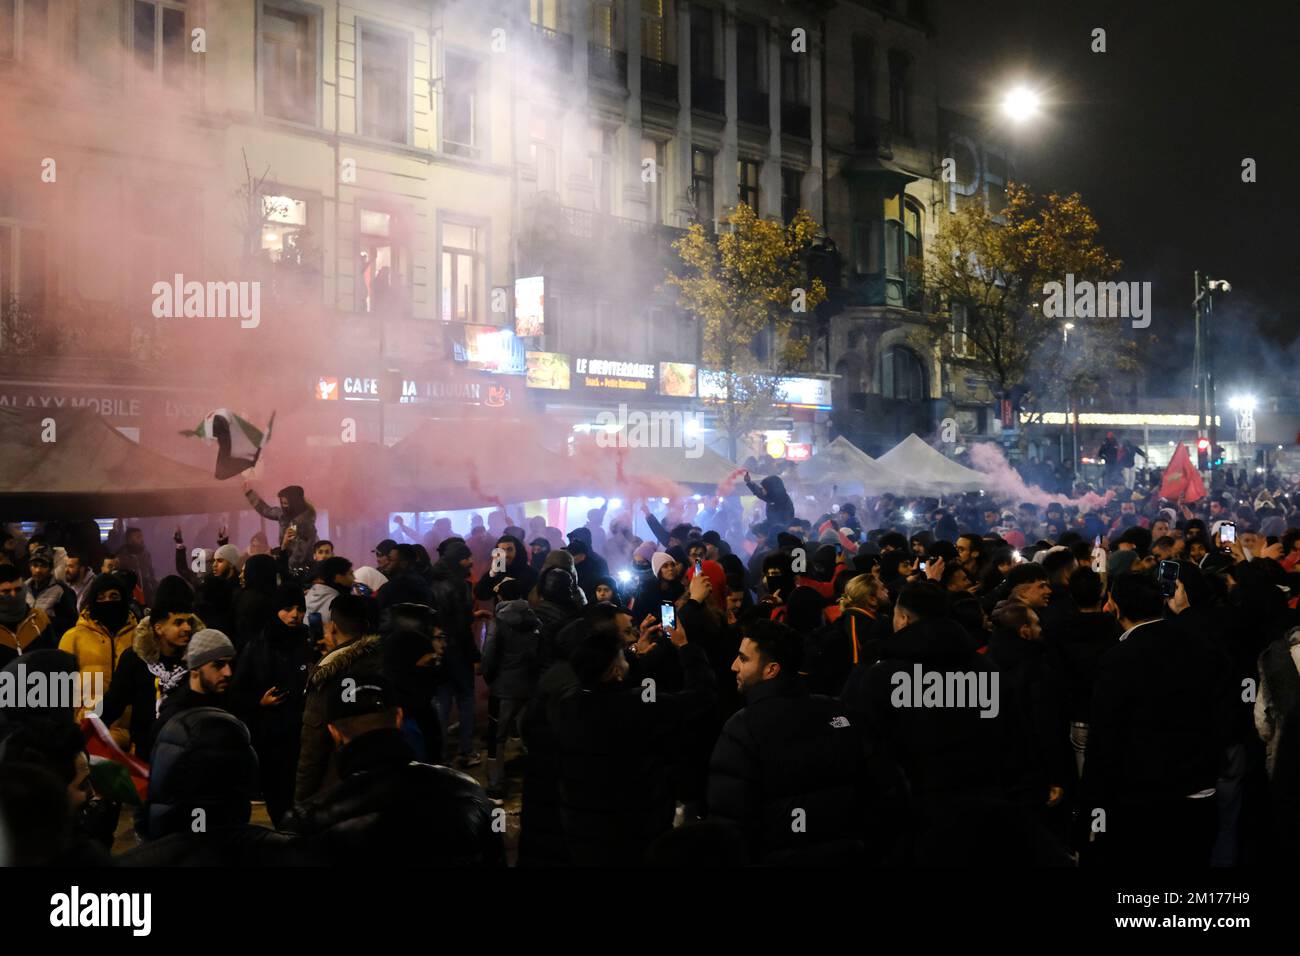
{"type": "Point", "coordinates": [702, 184]}
{"type": "Point", "coordinates": [792, 85]}
{"type": "Point", "coordinates": [893, 236]}
{"type": "Point", "coordinates": [912, 248]}
{"type": "Point", "coordinates": [903, 375]}
{"type": "Point", "coordinates": [702, 41]}
{"type": "Point", "coordinates": [601, 168]}
{"type": "Point", "coordinates": [960, 326]}
{"type": "Point", "coordinates": [24, 28]}
{"type": "Point", "coordinates": [747, 179]}
{"type": "Point", "coordinates": [602, 23]}
{"type": "Point", "coordinates": [159, 40]}
{"type": "Point", "coordinates": [652, 30]}
{"type": "Point", "coordinates": [747, 56]}
{"type": "Point", "coordinates": [289, 63]}
{"type": "Point", "coordinates": [653, 152]}
{"type": "Point", "coordinates": [544, 13]}
{"type": "Point", "coordinates": [791, 190]}
{"type": "Point", "coordinates": [385, 263]}
{"type": "Point", "coordinates": [460, 106]}
{"type": "Point", "coordinates": [384, 101]}
{"type": "Point", "coordinates": [542, 153]}
{"type": "Point", "coordinates": [22, 272]}
{"type": "Point", "coordinates": [284, 228]}
{"type": "Point", "coordinates": [462, 272]}
{"type": "Point", "coordinates": [900, 68]}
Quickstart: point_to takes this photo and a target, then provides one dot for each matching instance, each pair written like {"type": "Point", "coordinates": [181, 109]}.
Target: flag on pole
{"type": "Point", "coordinates": [239, 442]}
{"type": "Point", "coordinates": [1182, 482]}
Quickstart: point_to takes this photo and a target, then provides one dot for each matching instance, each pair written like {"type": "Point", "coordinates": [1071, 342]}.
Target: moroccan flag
{"type": "Point", "coordinates": [239, 442]}
{"type": "Point", "coordinates": [117, 775]}
{"type": "Point", "coordinates": [1182, 482]}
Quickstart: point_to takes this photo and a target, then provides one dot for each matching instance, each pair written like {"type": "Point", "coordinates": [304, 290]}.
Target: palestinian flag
{"type": "Point", "coordinates": [116, 775]}
{"type": "Point", "coordinates": [239, 442]}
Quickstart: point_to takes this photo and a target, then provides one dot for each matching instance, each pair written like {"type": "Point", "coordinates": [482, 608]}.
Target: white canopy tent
{"type": "Point", "coordinates": [842, 464]}
{"type": "Point", "coordinates": [924, 471]}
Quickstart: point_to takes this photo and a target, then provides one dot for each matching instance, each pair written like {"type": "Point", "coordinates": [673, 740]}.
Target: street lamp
{"type": "Point", "coordinates": [1242, 403]}
{"type": "Point", "coordinates": [1021, 104]}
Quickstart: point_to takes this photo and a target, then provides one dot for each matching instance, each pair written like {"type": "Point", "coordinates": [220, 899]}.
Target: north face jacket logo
{"type": "Point", "coordinates": [839, 721]}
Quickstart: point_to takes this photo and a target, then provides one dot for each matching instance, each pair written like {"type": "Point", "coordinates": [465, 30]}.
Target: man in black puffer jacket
{"type": "Point", "coordinates": [615, 786]}
{"type": "Point", "coordinates": [455, 605]}
{"type": "Point", "coordinates": [387, 809]}
{"type": "Point", "coordinates": [789, 767]}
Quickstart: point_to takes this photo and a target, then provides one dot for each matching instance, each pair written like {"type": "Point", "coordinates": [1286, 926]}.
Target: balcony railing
{"type": "Point", "coordinates": [555, 49]}
{"type": "Point", "coordinates": [659, 79]}
{"type": "Point", "coordinates": [752, 106]}
{"type": "Point", "coordinates": [796, 119]}
{"type": "Point", "coordinates": [601, 227]}
{"type": "Point", "coordinates": [708, 93]}
{"type": "Point", "coordinates": [606, 64]}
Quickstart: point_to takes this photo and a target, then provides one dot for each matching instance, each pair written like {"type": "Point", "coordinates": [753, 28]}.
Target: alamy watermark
{"type": "Point", "coordinates": [208, 300]}
{"type": "Point", "coordinates": [1086, 299]}
{"type": "Point", "coordinates": [946, 689]}
{"type": "Point", "coordinates": [657, 429]}
{"type": "Point", "coordinates": [40, 689]}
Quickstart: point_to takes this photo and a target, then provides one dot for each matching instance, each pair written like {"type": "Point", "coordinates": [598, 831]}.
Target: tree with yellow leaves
{"type": "Point", "coordinates": [748, 279]}
{"type": "Point", "coordinates": [996, 269]}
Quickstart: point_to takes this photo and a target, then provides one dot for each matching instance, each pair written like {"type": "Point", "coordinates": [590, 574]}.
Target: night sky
{"type": "Point", "coordinates": [1152, 133]}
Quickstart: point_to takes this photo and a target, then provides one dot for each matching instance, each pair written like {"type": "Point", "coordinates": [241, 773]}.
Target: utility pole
{"type": "Point", "coordinates": [1203, 303]}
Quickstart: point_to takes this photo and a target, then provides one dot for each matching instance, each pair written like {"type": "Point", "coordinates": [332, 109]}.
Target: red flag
{"type": "Point", "coordinates": [100, 743]}
{"type": "Point", "coordinates": [1182, 482]}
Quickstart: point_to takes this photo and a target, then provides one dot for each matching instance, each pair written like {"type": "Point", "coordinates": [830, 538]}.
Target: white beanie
{"type": "Point", "coordinates": [658, 560]}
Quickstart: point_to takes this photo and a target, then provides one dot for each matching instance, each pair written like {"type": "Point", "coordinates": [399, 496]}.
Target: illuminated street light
{"type": "Point", "coordinates": [1021, 104]}
{"type": "Point", "coordinates": [1242, 403]}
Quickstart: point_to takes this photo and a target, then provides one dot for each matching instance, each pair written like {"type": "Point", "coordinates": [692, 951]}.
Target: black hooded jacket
{"type": "Point", "coordinates": [455, 604]}
{"type": "Point", "coordinates": [780, 509]}
{"type": "Point", "coordinates": [519, 570]}
{"type": "Point", "coordinates": [254, 602]}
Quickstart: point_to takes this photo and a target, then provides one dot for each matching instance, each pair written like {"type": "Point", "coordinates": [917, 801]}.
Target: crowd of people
{"type": "Point", "coordinates": [870, 680]}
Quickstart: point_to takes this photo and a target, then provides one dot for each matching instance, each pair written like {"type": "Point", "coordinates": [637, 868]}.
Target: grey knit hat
{"type": "Point", "coordinates": [228, 553]}
{"type": "Point", "coordinates": [206, 646]}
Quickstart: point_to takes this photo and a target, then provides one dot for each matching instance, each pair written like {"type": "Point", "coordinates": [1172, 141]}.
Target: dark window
{"type": "Point", "coordinates": [383, 86]}
{"type": "Point", "coordinates": [159, 40]}
{"type": "Point", "coordinates": [900, 69]}
{"type": "Point", "coordinates": [862, 88]}
{"type": "Point", "coordinates": [791, 186]}
{"type": "Point", "coordinates": [747, 178]}
{"type": "Point", "coordinates": [289, 68]}
{"type": "Point", "coordinates": [747, 55]}
{"type": "Point", "coordinates": [702, 184]}
{"type": "Point", "coordinates": [460, 101]}
{"type": "Point", "coordinates": [903, 375]}
{"type": "Point", "coordinates": [701, 41]}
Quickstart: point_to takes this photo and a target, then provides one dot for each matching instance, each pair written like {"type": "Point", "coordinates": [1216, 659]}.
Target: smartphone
{"type": "Point", "coordinates": [1228, 532]}
{"type": "Point", "coordinates": [699, 567]}
{"type": "Point", "coordinates": [920, 566]}
{"type": "Point", "coordinates": [668, 614]}
{"type": "Point", "coordinates": [1168, 577]}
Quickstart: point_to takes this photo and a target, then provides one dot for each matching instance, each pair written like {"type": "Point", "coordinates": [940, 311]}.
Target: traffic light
{"type": "Point", "coordinates": [1202, 453]}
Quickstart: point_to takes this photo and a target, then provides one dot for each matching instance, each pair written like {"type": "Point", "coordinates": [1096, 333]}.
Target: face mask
{"type": "Point", "coordinates": [112, 614]}
{"type": "Point", "coordinates": [13, 608]}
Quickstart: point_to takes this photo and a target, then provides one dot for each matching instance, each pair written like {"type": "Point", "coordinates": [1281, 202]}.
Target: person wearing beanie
{"type": "Point", "coordinates": [297, 520]}
{"type": "Point", "coordinates": [55, 599]}
{"type": "Point", "coordinates": [210, 660]}
{"type": "Point", "coordinates": [154, 667]}
{"type": "Point", "coordinates": [664, 585]}
{"type": "Point", "coordinates": [538, 549]}
{"type": "Point", "coordinates": [268, 694]}
{"type": "Point", "coordinates": [103, 633]}
{"type": "Point", "coordinates": [215, 592]}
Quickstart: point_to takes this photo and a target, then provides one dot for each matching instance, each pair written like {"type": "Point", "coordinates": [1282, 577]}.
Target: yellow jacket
{"type": "Point", "coordinates": [29, 629]}
{"type": "Point", "coordinates": [95, 652]}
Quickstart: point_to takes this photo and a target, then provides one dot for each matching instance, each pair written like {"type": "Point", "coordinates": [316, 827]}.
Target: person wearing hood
{"type": "Point", "coordinates": [153, 667]}
{"type": "Point", "coordinates": [771, 490]}
{"type": "Point", "coordinates": [590, 565]}
{"type": "Point", "coordinates": [55, 599]}
{"type": "Point", "coordinates": [104, 632]}
{"type": "Point", "coordinates": [255, 601]}
{"type": "Point", "coordinates": [516, 568]}
{"type": "Point", "coordinates": [268, 694]}
{"type": "Point", "coordinates": [454, 601]}
{"type": "Point", "coordinates": [606, 591]}
{"type": "Point", "coordinates": [329, 578]}
{"type": "Point", "coordinates": [557, 599]}
{"type": "Point", "coordinates": [414, 650]}
{"type": "Point", "coordinates": [134, 556]}
{"type": "Point", "coordinates": [511, 656]}
{"type": "Point", "coordinates": [22, 627]}
{"type": "Point", "coordinates": [664, 586]}
{"type": "Point", "coordinates": [295, 513]}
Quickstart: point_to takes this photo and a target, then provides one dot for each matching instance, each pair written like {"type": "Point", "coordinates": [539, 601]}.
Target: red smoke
{"type": "Point", "coordinates": [1006, 482]}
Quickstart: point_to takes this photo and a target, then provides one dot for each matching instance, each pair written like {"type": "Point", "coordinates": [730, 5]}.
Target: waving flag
{"type": "Point", "coordinates": [239, 442]}
{"type": "Point", "coordinates": [1182, 482]}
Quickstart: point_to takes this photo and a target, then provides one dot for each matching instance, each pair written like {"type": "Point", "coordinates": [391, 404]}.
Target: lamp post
{"type": "Point", "coordinates": [1203, 364]}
